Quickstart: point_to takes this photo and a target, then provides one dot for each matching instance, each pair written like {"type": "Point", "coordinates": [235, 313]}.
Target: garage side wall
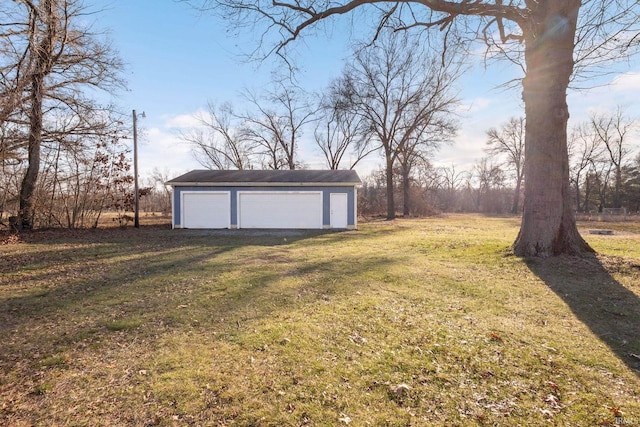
{"type": "Point", "coordinates": [177, 198]}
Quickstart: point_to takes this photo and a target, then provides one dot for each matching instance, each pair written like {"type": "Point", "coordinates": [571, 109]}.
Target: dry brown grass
{"type": "Point", "coordinates": [416, 322]}
{"type": "Point", "coordinates": [112, 219]}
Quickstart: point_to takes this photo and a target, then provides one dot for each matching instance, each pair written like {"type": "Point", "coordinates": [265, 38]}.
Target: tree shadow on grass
{"type": "Point", "coordinates": [74, 292]}
{"type": "Point", "coordinates": [610, 309]}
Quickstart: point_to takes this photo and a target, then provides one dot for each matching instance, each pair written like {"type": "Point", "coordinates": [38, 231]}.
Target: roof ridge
{"type": "Point", "coordinates": [319, 176]}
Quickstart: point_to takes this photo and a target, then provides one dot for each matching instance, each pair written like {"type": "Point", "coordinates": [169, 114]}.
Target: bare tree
{"type": "Point", "coordinates": [9, 190]}
{"type": "Point", "coordinates": [612, 130]}
{"type": "Point", "coordinates": [449, 181]}
{"type": "Point", "coordinates": [53, 55]}
{"type": "Point", "coordinates": [405, 97]}
{"type": "Point", "coordinates": [632, 185]}
{"type": "Point", "coordinates": [11, 142]}
{"type": "Point", "coordinates": [341, 129]}
{"type": "Point", "coordinates": [598, 182]}
{"type": "Point", "coordinates": [160, 198]}
{"type": "Point", "coordinates": [489, 182]}
{"type": "Point", "coordinates": [219, 141]}
{"type": "Point", "coordinates": [278, 122]}
{"type": "Point", "coordinates": [418, 149]}
{"type": "Point", "coordinates": [508, 142]}
{"type": "Point", "coordinates": [548, 39]}
{"type": "Point", "coordinates": [585, 150]}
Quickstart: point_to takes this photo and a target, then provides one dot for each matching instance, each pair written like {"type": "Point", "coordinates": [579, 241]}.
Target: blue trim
{"type": "Point", "coordinates": [326, 197]}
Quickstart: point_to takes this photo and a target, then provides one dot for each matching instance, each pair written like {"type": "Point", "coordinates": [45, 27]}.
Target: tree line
{"type": "Point", "coordinates": [604, 161]}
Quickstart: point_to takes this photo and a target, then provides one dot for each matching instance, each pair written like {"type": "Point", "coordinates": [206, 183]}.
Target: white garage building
{"type": "Point", "coordinates": [308, 199]}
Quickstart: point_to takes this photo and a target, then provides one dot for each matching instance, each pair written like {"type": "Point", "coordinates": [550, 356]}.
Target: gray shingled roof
{"type": "Point", "coordinates": [244, 177]}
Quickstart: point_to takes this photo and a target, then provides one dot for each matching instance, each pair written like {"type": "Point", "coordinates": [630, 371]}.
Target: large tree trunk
{"type": "Point", "coordinates": [548, 223]}
{"type": "Point", "coordinates": [35, 137]}
{"type": "Point", "coordinates": [42, 48]}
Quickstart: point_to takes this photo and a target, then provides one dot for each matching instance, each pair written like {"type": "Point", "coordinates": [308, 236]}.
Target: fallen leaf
{"type": "Point", "coordinates": [552, 385]}
{"type": "Point", "coordinates": [546, 413]}
{"type": "Point", "coordinates": [400, 389]}
{"type": "Point", "coordinates": [344, 419]}
{"type": "Point", "coordinates": [357, 338]}
{"type": "Point", "coordinates": [495, 337]}
{"type": "Point", "coordinates": [553, 401]}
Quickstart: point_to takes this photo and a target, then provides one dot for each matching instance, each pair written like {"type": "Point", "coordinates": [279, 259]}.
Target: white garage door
{"type": "Point", "coordinates": [201, 209]}
{"type": "Point", "coordinates": [280, 209]}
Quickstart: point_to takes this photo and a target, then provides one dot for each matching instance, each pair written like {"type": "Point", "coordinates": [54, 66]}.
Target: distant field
{"type": "Point", "coordinates": [425, 322]}
{"type": "Point", "coordinates": [112, 219]}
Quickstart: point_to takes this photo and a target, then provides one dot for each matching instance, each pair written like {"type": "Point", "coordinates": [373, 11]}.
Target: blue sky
{"type": "Point", "coordinates": [177, 60]}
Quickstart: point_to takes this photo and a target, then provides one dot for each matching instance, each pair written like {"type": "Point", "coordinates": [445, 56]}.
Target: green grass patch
{"type": "Point", "coordinates": [408, 322]}
{"type": "Point", "coordinates": [124, 324]}
{"type": "Point", "coordinates": [54, 361]}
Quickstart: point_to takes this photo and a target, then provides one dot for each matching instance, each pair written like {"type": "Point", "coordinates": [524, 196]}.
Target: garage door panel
{"type": "Point", "coordinates": [280, 210]}
{"type": "Point", "coordinates": [206, 210]}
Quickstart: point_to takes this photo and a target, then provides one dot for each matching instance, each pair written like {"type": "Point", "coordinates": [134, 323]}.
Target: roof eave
{"type": "Point", "coordinates": [261, 184]}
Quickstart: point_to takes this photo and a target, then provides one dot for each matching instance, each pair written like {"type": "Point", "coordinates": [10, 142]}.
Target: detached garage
{"type": "Point", "coordinates": [308, 199]}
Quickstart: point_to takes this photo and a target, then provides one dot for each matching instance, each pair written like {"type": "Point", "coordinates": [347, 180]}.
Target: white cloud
{"type": "Point", "coordinates": [184, 121]}
{"type": "Point", "coordinates": [475, 105]}
{"type": "Point", "coordinates": [465, 151]}
{"type": "Point", "coordinates": [469, 144]}
{"type": "Point", "coordinates": [626, 82]}
{"type": "Point", "coordinates": [164, 150]}
{"type": "Point", "coordinates": [621, 92]}
{"type": "Point", "coordinates": [161, 147]}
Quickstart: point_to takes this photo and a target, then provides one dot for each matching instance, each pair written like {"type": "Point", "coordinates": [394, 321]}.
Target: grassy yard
{"type": "Point", "coordinates": [404, 323]}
